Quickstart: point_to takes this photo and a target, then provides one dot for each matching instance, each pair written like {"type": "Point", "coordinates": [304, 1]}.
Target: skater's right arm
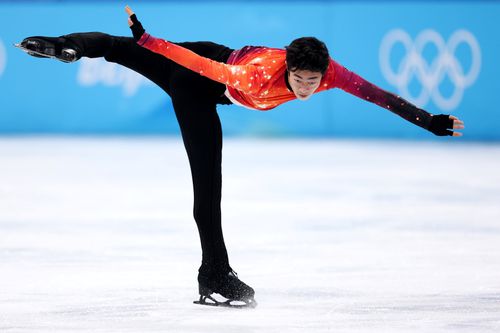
{"type": "Point", "coordinates": [236, 76]}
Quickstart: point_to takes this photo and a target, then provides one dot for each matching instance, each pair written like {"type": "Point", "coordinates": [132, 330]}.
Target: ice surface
{"type": "Point", "coordinates": [96, 235]}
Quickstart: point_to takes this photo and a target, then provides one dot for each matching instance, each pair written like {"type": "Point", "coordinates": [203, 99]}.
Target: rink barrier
{"type": "Point", "coordinates": [442, 65]}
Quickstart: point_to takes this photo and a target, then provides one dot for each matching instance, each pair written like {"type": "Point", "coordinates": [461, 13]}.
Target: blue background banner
{"type": "Point", "coordinates": [443, 56]}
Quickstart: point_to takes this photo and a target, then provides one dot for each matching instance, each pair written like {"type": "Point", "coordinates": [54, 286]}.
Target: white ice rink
{"type": "Point", "coordinates": [96, 235]}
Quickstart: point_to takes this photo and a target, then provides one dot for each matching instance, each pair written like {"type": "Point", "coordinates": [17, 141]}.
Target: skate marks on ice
{"type": "Point", "coordinates": [333, 235]}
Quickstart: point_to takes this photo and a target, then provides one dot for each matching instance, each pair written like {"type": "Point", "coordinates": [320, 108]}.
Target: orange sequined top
{"type": "Point", "coordinates": [255, 78]}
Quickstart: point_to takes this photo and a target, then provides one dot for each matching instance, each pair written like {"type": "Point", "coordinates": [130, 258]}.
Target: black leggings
{"type": "Point", "coordinates": [194, 98]}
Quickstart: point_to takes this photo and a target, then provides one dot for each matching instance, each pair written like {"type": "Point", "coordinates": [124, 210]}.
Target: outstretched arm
{"type": "Point", "coordinates": [438, 124]}
{"type": "Point", "coordinates": [235, 76]}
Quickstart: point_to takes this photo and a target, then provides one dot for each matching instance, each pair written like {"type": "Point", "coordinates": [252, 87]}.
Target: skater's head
{"type": "Point", "coordinates": [307, 60]}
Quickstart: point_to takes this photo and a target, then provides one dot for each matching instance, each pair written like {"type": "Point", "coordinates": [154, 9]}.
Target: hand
{"type": "Point", "coordinates": [134, 24]}
{"type": "Point", "coordinates": [442, 123]}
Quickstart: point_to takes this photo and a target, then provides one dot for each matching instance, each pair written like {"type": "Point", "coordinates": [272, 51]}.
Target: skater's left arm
{"type": "Point", "coordinates": [354, 84]}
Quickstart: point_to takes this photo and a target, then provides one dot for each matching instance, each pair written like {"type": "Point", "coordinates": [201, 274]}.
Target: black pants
{"type": "Point", "coordinates": [194, 98]}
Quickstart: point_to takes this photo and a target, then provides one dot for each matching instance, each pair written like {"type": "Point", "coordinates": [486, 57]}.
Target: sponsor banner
{"type": "Point", "coordinates": [442, 65]}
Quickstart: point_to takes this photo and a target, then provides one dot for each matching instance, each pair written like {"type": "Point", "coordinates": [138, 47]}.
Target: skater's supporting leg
{"type": "Point", "coordinates": [202, 135]}
{"type": "Point", "coordinates": [194, 98]}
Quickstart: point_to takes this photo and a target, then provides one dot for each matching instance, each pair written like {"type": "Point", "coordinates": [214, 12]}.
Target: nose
{"type": "Point", "coordinates": [305, 87]}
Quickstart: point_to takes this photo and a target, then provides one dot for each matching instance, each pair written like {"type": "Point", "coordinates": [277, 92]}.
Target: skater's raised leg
{"type": "Point", "coordinates": [120, 50]}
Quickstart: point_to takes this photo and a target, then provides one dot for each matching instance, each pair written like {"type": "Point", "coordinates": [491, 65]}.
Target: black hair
{"type": "Point", "coordinates": [307, 53]}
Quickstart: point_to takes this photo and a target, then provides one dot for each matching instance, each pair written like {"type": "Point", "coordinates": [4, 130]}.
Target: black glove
{"type": "Point", "coordinates": [136, 27]}
{"type": "Point", "coordinates": [441, 125]}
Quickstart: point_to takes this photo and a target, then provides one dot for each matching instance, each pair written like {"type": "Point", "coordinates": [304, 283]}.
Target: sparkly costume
{"type": "Point", "coordinates": [256, 77]}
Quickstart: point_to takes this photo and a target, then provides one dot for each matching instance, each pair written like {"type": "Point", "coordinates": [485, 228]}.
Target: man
{"type": "Point", "coordinates": [200, 75]}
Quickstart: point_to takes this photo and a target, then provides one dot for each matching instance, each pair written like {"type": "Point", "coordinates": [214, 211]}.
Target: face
{"type": "Point", "coordinates": [304, 83]}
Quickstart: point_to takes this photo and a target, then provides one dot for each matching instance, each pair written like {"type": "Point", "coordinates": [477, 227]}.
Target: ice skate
{"type": "Point", "coordinates": [237, 294]}
{"type": "Point", "coordinates": [49, 47]}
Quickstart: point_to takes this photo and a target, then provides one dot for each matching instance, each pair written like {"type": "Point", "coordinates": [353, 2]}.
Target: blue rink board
{"type": "Point", "coordinates": [443, 56]}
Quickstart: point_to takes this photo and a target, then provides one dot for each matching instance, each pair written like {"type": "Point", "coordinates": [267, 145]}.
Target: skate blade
{"type": "Point", "coordinates": [249, 304]}
{"type": "Point", "coordinates": [39, 54]}
{"type": "Point", "coordinates": [33, 53]}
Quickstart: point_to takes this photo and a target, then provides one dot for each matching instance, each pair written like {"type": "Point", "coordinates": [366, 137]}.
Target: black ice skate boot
{"type": "Point", "coordinates": [237, 293]}
{"type": "Point", "coordinates": [50, 47]}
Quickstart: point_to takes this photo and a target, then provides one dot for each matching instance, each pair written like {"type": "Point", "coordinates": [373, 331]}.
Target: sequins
{"type": "Point", "coordinates": [251, 69]}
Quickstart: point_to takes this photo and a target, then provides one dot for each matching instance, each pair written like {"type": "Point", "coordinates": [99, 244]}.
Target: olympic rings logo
{"type": "Point", "coordinates": [3, 58]}
{"type": "Point", "coordinates": [445, 65]}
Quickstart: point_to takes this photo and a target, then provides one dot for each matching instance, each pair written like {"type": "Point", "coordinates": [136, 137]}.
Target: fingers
{"type": "Point", "coordinates": [457, 123]}
{"type": "Point", "coordinates": [129, 10]}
